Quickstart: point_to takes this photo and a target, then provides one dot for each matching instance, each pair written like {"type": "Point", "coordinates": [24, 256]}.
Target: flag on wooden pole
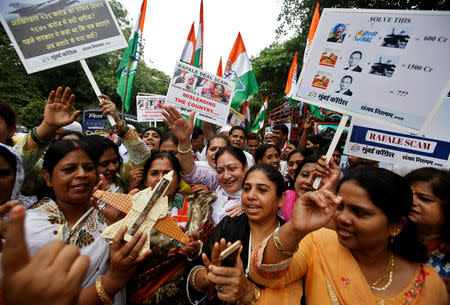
{"type": "Point", "coordinates": [187, 56]}
{"type": "Point", "coordinates": [126, 70]}
{"type": "Point", "coordinates": [292, 82]}
{"type": "Point", "coordinates": [240, 71]}
{"type": "Point", "coordinates": [198, 55]}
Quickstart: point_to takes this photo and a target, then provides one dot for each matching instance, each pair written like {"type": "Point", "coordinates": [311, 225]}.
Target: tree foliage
{"type": "Point", "coordinates": [23, 91]}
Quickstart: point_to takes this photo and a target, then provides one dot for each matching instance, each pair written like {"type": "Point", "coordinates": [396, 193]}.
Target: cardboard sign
{"type": "Point", "coordinates": [376, 142]}
{"type": "Point", "coordinates": [235, 118]}
{"type": "Point", "coordinates": [391, 66]}
{"type": "Point", "coordinates": [149, 107]}
{"type": "Point", "coordinates": [47, 34]}
{"type": "Point", "coordinates": [192, 89]}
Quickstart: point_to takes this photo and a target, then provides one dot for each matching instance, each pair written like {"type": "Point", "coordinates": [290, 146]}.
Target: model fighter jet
{"type": "Point", "coordinates": [145, 210]}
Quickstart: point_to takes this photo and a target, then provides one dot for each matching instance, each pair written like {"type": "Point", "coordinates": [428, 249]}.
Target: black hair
{"type": "Point", "coordinates": [159, 132]}
{"type": "Point", "coordinates": [283, 128]}
{"type": "Point", "coordinates": [348, 76]}
{"type": "Point", "coordinates": [293, 142]}
{"type": "Point", "coordinates": [357, 52]}
{"type": "Point", "coordinates": [168, 136]}
{"type": "Point", "coordinates": [9, 115]}
{"type": "Point", "coordinates": [163, 155]}
{"type": "Point", "coordinates": [99, 144]}
{"type": "Point", "coordinates": [71, 132]}
{"type": "Point", "coordinates": [259, 153]}
{"type": "Point", "coordinates": [237, 128]}
{"type": "Point", "coordinates": [253, 136]}
{"type": "Point", "coordinates": [391, 194]}
{"type": "Point", "coordinates": [311, 158]}
{"type": "Point", "coordinates": [197, 132]}
{"type": "Point", "coordinates": [223, 87]}
{"type": "Point", "coordinates": [272, 174]}
{"type": "Point", "coordinates": [60, 149]}
{"type": "Point", "coordinates": [235, 152]}
{"type": "Point", "coordinates": [439, 182]}
{"type": "Point", "coordinates": [302, 150]}
{"type": "Point", "coordinates": [218, 136]}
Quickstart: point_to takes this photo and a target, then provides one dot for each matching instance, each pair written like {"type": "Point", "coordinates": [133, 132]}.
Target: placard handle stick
{"type": "Point", "coordinates": [333, 145]}
{"type": "Point", "coordinates": [95, 87]}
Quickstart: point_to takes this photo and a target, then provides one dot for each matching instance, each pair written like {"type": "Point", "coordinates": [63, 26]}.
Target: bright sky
{"type": "Point", "coordinates": [167, 25]}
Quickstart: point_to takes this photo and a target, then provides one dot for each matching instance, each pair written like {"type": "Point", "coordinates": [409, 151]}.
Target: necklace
{"type": "Point", "coordinates": [390, 269]}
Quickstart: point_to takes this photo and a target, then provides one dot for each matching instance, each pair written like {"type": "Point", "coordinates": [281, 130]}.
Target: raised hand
{"type": "Point", "coordinates": [57, 110]}
{"type": "Point", "coordinates": [192, 249]}
{"type": "Point", "coordinates": [108, 107]}
{"type": "Point", "coordinates": [181, 128]}
{"type": "Point", "coordinates": [314, 210]}
{"type": "Point", "coordinates": [330, 173]}
{"type": "Point", "coordinates": [52, 277]}
{"type": "Point", "coordinates": [135, 178]}
{"type": "Point", "coordinates": [4, 209]}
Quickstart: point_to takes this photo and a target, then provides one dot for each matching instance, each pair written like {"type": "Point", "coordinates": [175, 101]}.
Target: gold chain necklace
{"type": "Point", "coordinates": [390, 268]}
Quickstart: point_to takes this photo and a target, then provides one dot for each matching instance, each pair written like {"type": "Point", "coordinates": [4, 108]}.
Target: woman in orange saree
{"type": "Point", "coordinates": [373, 257]}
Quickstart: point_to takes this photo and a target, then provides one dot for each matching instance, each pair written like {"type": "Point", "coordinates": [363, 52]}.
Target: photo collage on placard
{"type": "Point", "coordinates": [348, 56]}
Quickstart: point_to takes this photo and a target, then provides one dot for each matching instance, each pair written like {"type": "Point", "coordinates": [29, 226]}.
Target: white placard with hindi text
{"type": "Point", "coordinates": [391, 66]}
{"type": "Point", "coordinates": [149, 108]}
{"type": "Point", "coordinates": [378, 142]}
{"type": "Point", "coordinates": [209, 95]}
{"type": "Point", "coordinates": [48, 34]}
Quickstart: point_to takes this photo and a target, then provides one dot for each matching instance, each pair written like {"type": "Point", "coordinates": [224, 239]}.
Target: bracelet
{"type": "Point", "coordinates": [256, 295]}
{"type": "Point", "coordinates": [194, 278]}
{"type": "Point", "coordinates": [38, 140]}
{"type": "Point", "coordinates": [104, 297]}
{"type": "Point", "coordinates": [279, 245]}
{"type": "Point", "coordinates": [185, 151]}
{"type": "Point", "coordinates": [123, 130]}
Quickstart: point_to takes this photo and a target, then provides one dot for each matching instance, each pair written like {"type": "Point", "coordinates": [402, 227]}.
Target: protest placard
{"type": "Point", "coordinates": [192, 89]}
{"type": "Point", "coordinates": [149, 107]}
{"type": "Point", "coordinates": [47, 34]}
{"type": "Point", "coordinates": [377, 142]}
{"type": "Point", "coordinates": [235, 118]}
{"type": "Point", "coordinates": [391, 66]}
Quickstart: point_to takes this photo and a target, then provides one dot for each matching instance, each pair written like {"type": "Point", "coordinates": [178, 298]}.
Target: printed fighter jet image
{"type": "Point", "coordinates": [145, 210]}
{"type": "Point", "coordinates": [45, 7]}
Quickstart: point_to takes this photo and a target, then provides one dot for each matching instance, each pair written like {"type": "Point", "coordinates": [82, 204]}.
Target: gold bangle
{"type": "Point", "coordinates": [104, 297]}
{"type": "Point", "coordinates": [194, 278]}
{"type": "Point", "coordinates": [256, 293]}
{"type": "Point", "coordinates": [279, 245]}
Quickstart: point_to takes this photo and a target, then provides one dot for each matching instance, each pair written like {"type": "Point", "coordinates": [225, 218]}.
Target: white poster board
{"type": "Point", "coordinates": [377, 142]}
{"type": "Point", "coordinates": [391, 66]}
{"type": "Point", "coordinates": [209, 95]}
{"type": "Point", "coordinates": [149, 108]}
{"type": "Point", "coordinates": [48, 34]}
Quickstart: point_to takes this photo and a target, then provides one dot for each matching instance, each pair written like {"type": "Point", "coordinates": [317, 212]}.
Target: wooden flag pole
{"type": "Point", "coordinates": [94, 85]}
{"type": "Point", "coordinates": [333, 145]}
{"type": "Point", "coordinates": [125, 89]}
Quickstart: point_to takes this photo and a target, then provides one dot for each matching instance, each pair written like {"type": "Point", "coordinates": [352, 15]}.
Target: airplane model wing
{"type": "Point", "coordinates": [145, 210]}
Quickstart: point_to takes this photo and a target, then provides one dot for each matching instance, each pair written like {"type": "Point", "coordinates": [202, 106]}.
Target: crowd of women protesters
{"type": "Point", "coordinates": [369, 236]}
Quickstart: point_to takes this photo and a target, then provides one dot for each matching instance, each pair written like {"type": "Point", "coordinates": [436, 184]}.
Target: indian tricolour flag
{"type": "Point", "coordinates": [261, 117]}
{"type": "Point", "coordinates": [292, 82]}
{"type": "Point", "coordinates": [239, 70]}
{"type": "Point", "coordinates": [198, 55]}
{"type": "Point", "coordinates": [126, 70]}
{"type": "Point", "coordinates": [187, 56]}
{"type": "Point", "coordinates": [219, 68]}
